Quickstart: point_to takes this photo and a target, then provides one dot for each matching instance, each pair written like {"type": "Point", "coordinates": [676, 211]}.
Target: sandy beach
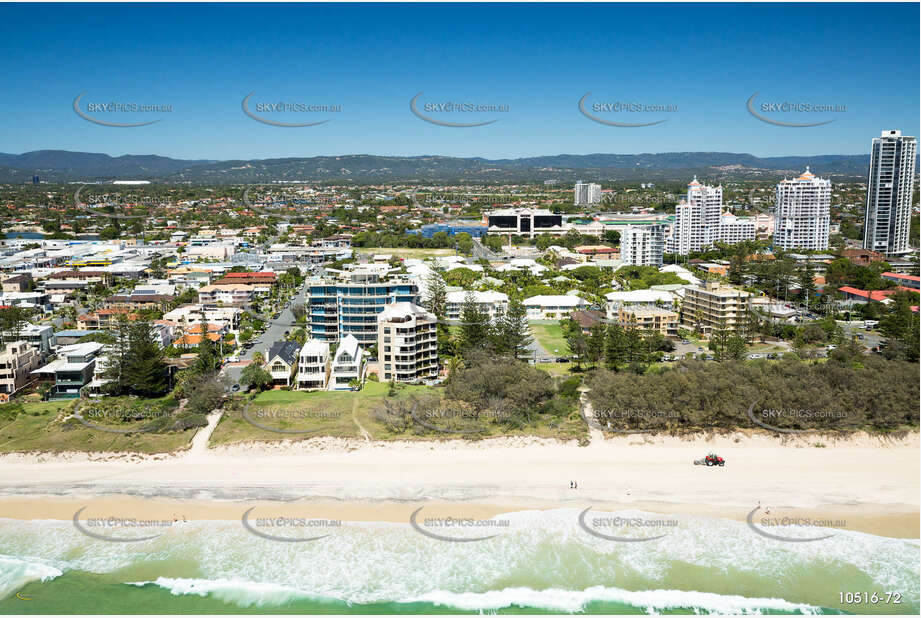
{"type": "Point", "coordinates": [871, 483]}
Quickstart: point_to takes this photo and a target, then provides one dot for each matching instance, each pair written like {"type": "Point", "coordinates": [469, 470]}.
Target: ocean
{"type": "Point", "coordinates": [540, 562]}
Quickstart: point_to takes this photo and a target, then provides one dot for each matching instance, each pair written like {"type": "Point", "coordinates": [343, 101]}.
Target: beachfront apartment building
{"type": "Point", "coordinates": [586, 193]}
{"type": "Point", "coordinates": [313, 366]}
{"type": "Point", "coordinates": [714, 306]}
{"type": "Point", "coordinates": [734, 230]}
{"type": "Point", "coordinates": [889, 191]}
{"type": "Point", "coordinates": [642, 245]}
{"type": "Point", "coordinates": [17, 361]}
{"type": "Point", "coordinates": [494, 304]}
{"type": "Point", "coordinates": [658, 319]}
{"type": "Point", "coordinates": [802, 210]}
{"type": "Point", "coordinates": [347, 365]}
{"type": "Point", "coordinates": [350, 303]}
{"type": "Point", "coordinates": [697, 219]}
{"type": "Point", "coordinates": [524, 221]}
{"type": "Point", "coordinates": [552, 307]}
{"type": "Point", "coordinates": [407, 344]}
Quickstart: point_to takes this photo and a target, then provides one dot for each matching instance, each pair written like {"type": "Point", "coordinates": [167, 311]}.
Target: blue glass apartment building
{"type": "Point", "coordinates": [476, 230]}
{"type": "Point", "coordinates": [351, 304]}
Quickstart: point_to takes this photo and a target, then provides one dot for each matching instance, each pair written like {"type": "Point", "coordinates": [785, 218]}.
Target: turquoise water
{"type": "Point", "coordinates": [542, 562]}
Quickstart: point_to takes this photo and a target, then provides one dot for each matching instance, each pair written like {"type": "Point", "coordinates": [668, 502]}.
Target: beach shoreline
{"type": "Point", "coordinates": [869, 481]}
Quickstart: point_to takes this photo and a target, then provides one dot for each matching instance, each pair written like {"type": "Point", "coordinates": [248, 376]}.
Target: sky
{"type": "Point", "coordinates": [532, 63]}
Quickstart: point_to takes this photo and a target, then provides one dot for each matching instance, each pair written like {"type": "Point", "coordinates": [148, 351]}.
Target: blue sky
{"type": "Point", "coordinates": [537, 59]}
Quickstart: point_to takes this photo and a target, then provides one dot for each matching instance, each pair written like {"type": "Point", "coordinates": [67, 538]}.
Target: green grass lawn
{"type": "Point", "coordinates": [550, 337]}
{"type": "Point", "coordinates": [41, 427]}
{"type": "Point", "coordinates": [348, 414]}
{"type": "Point", "coordinates": [555, 369]}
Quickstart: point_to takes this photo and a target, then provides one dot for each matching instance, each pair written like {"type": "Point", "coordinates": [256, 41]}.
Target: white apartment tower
{"type": "Point", "coordinates": [697, 220]}
{"type": "Point", "coordinates": [586, 194]}
{"type": "Point", "coordinates": [889, 189]}
{"type": "Point", "coordinates": [802, 213]}
{"type": "Point", "coordinates": [407, 343]}
{"type": "Point", "coordinates": [642, 245]}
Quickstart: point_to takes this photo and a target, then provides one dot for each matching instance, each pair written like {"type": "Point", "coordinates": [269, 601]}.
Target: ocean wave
{"type": "Point", "coordinates": [239, 592]}
{"type": "Point", "coordinates": [365, 562]}
{"type": "Point", "coordinates": [17, 572]}
{"type": "Point", "coordinates": [248, 594]}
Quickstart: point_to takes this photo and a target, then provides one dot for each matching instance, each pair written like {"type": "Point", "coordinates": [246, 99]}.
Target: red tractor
{"type": "Point", "coordinates": [710, 460]}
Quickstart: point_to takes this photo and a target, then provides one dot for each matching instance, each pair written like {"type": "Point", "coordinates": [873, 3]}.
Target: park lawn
{"type": "Point", "coordinates": [406, 252]}
{"type": "Point", "coordinates": [555, 369]}
{"type": "Point", "coordinates": [549, 335]}
{"type": "Point", "coordinates": [297, 414]}
{"type": "Point", "coordinates": [353, 414]}
{"type": "Point", "coordinates": [41, 428]}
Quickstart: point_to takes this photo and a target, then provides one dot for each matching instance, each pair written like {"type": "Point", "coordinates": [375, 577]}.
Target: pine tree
{"type": "Point", "coordinates": [615, 346]}
{"type": "Point", "coordinates": [511, 334]}
{"type": "Point", "coordinates": [146, 373]}
{"type": "Point", "coordinates": [436, 297]}
{"type": "Point", "coordinates": [596, 344]}
{"type": "Point", "coordinates": [475, 327]}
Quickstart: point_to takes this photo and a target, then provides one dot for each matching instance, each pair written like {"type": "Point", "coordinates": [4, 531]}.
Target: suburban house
{"type": "Point", "coordinates": [347, 364]}
{"type": "Point", "coordinates": [281, 362]}
{"type": "Point", "coordinates": [494, 304]}
{"type": "Point", "coordinates": [552, 307]}
{"type": "Point", "coordinates": [407, 345]}
{"type": "Point", "coordinates": [313, 366]}
{"type": "Point", "coordinates": [72, 370]}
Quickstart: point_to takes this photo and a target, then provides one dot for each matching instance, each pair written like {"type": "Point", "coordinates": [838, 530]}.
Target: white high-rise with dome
{"type": "Point", "coordinates": [802, 213]}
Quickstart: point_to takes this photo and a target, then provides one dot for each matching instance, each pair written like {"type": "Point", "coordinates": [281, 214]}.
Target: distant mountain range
{"type": "Point", "coordinates": [66, 166]}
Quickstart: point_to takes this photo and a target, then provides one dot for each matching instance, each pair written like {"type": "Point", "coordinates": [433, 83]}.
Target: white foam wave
{"type": "Point", "coordinates": [17, 572]}
{"type": "Point", "coordinates": [248, 594]}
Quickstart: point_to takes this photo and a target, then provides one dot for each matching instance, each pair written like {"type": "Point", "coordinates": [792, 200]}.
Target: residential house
{"type": "Point", "coordinates": [281, 362]}
{"type": "Point", "coordinates": [552, 307]}
{"type": "Point", "coordinates": [313, 366]}
{"type": "Point", "coordinates": [494, 304]}
{"type": "Point", "coordinates": [72, 370]}
{"type": "Point", "coordinates": [347, 364]}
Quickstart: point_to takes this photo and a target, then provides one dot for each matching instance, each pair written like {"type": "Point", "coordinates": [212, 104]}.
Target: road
{"type": "Point", "coordinates": [275, 331]}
